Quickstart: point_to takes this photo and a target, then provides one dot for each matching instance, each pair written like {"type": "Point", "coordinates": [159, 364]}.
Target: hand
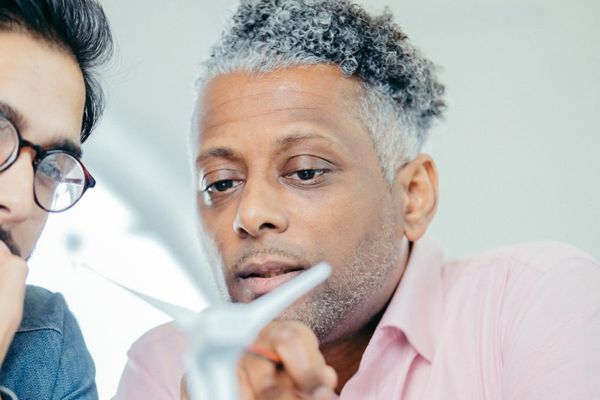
{"type": "Point", "coordinates": [304, 375]}
{"type": "Point", "coordinates": [13, 271]}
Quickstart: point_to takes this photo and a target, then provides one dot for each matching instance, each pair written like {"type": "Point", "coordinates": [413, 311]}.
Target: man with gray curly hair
{"type": "Point", "coordinates": [310, 119]}
{"type": "Point", "coordinates": [392, 75]}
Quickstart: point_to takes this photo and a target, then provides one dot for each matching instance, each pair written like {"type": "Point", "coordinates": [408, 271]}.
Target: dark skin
{"type": "Point", "coordinates": [284, 165]}
{"type": "Point", "coordinates": [345, 355]}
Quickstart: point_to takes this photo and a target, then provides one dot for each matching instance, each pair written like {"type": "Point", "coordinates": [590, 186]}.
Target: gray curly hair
{"type": "Point", "coordinates": [400, 94]}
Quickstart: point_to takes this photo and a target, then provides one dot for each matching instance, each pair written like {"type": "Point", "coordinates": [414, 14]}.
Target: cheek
{"type": "Point", "coordinates": [218, 225]}
{"type": "Point", "coordinates": [335, 224]}
{"type": "Point", "coordinates": [27, 233]}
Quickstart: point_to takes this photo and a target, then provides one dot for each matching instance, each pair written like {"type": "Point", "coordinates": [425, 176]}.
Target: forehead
{"type": "Point", "coordinates": [260, 103]}
{"type": "Point", "coordinates": [44, 84]}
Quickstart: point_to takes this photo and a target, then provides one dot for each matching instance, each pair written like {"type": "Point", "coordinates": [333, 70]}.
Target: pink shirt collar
{"type": "Point", "coordinates": [417, 305]}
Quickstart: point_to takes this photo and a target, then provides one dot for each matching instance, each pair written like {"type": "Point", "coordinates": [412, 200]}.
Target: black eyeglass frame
{"type": "Point", "coordinates": [40, 154]}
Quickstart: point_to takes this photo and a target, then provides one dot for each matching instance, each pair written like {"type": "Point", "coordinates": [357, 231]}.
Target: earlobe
{"type": "Point", "coordinates": [419, 180]}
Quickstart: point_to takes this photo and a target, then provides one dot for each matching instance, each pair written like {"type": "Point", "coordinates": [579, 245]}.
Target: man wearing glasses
{"type": "Point", "coordinates": [49, 103]}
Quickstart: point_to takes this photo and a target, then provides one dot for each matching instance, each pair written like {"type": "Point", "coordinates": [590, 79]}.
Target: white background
{"type": "Point", "coordinates": [517, 153]}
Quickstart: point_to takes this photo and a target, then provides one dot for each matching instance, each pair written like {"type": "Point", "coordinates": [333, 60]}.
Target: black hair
{"type": "Point", "coordinates": [78, 26]}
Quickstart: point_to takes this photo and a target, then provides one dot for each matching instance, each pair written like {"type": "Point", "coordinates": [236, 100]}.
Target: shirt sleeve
{"type": "Point", "coordinates": [553, 343]}
{"type": "Point", "coordinates": [154, 367]}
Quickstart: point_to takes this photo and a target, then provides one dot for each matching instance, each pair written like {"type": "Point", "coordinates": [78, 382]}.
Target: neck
{"type": "Point", "coordinates": [344, 354]}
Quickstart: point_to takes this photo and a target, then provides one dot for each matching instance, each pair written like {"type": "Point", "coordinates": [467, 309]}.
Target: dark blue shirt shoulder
{"type": "Point", "coordinates": [48, 358]}
{"type": "Point", "coordinates": [43, 310]}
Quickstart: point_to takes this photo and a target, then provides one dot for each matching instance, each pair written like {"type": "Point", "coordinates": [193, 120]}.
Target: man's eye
{"type": "Point", "coordinates": [307, 174]}
{"type": "Point", "coordinates": [51, 171]}
{"type": "Point", "coordinates": [221, 186]}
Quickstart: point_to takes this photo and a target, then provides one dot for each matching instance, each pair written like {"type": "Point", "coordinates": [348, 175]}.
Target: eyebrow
{"type": "Point", "coordinates": [299, 137]}
{"type": "Point", "coordinates": [216, 152]}
{"type": "Point", "coordinates": [19, 121]}
{"type": "Point", "coordinates": [66, 145]}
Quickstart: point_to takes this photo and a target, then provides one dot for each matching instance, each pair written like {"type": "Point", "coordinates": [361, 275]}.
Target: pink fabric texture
{"type": "Point", "coordinates": [516, 323]}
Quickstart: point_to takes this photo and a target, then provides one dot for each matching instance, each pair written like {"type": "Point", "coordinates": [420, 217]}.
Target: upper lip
{"type": "Point", "coordinates": [255, 269]}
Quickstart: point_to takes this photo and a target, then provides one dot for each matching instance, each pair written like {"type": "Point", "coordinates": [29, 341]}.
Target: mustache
{"type": "Point", "coordinates": [257, 252]}
{"type": "Point", "coordinates": [6, 237]}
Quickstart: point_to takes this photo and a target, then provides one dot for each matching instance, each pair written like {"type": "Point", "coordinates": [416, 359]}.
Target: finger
{"type": "Point", "coordinates": [298, 348]}
{"type": "Point", "coordinates": [323, 393]}
{"type": "Point", "coordinates": [265, 380]}
{"type": "Point", "coordinates": [4, 248]}
{"type": "Point", "coordinates": [13, 272]}
{"type": "Point", "coordinates": [331, 377]}
{"type": "Point", "coordinates": [183, 388]}
{"type": "Point", "coordinates": [12, 268]}
{"type": "Point", "coordinates": [245, 389]}
{"type": "Point", "coordinates": [266, 354]}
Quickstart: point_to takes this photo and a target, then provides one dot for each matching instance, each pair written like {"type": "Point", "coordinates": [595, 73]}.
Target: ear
{"type": "Point", "coordinates": [417, 184]}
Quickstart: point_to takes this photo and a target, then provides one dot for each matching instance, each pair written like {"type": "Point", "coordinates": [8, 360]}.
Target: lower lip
{"type": "Point", "coordinates": [260, 286]}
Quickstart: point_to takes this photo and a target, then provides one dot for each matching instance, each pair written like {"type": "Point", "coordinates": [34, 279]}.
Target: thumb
{"type": "Point", "coordinates": [13, 272]}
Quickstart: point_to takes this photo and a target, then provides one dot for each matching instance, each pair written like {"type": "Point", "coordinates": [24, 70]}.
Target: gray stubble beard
{"type": "Point", "coordinates": [330, 306]}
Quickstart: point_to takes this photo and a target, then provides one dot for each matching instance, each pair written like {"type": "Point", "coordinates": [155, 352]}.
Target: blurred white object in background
{"type": "Point", "coordinates": [100, 231]}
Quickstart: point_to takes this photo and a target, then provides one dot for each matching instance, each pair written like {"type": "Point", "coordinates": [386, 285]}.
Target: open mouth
{"type": "Point", "coordinates": [261, 279]}
{"type": "Point", "coordinates": [270, 273]}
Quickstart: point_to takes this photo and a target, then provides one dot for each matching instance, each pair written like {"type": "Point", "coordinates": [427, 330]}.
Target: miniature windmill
{"type": "Point", "coordinates": [220, 334]}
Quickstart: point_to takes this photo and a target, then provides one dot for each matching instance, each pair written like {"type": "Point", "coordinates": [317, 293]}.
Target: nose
{"type": "Point", "coordinates": [16, 190]}
{"type": "Point", "coordinates": [260, 211]}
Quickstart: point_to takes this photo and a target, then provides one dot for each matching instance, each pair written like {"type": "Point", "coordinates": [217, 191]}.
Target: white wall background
{"type": "Point", "coordinates": [517, 153]}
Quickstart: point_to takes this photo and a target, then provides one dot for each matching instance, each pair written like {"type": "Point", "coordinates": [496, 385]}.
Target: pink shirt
{"type": "Point", "coordinates": [516, 323]}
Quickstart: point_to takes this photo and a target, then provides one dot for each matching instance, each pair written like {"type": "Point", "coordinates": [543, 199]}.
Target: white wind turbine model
{"type": "Point", "coordinates": [222, 332]}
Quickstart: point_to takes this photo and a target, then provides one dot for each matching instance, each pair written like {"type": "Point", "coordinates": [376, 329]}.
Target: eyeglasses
{"type": "Point", "coordinates": [60, 179]}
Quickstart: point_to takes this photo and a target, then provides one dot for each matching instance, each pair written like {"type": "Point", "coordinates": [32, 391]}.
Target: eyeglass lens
{"type": "Point", "coordinates": [59, 177]}
{"type": "Point", "coordinates": [9, 142]}
{"type": "Point", "coordinates": [59, 181]}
